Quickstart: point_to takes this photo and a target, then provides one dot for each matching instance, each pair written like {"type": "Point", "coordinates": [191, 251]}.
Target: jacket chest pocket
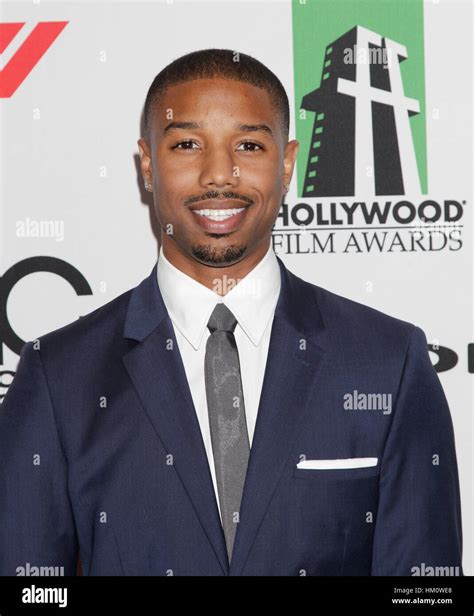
{"type": "Point", "coordinates": [335, 474]}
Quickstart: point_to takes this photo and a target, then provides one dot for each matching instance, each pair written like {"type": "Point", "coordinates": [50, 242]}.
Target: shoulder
{"type": "Point", "coordinates": [351, 326]}
{"type": "Point", "coordinates": [96, 334]}
{"type": "Point", "coordinates": [106, 317]}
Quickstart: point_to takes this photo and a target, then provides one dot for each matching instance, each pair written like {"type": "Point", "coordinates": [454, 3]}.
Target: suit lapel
{"type": "Point", "coordinates": [159, 379]}
{"type": "Point", "coordinates": [293, 363]}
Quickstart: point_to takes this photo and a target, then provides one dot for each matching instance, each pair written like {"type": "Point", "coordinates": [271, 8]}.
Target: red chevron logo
{"type": "Point", "coordinates": [28, 54]}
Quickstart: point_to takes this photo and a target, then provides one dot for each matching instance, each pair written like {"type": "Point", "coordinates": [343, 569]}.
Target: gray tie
{"type": "Point", "coordinates": [225, 403]}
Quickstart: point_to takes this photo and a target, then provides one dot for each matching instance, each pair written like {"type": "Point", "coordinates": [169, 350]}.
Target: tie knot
{"type": "Point", "coordinates": [221, 319]}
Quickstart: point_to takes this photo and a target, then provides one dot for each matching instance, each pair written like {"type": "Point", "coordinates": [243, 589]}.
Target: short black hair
{"type": "Point", "coordinates": [212, 63]}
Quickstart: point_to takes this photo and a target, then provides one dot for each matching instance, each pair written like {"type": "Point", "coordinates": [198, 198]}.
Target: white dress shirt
{"type": "Point", "coordinates": [190, 304]}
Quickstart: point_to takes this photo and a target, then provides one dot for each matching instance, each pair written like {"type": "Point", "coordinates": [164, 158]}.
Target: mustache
{"type": "Point", "coordinates": [214, 194]}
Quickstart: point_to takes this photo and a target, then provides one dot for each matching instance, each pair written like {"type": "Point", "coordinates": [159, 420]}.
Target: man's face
{"type": "Point", "coordinates": [216, 146]}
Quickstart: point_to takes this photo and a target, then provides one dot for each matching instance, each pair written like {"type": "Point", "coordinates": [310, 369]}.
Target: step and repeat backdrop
{"type": "Point", "coordinates": [380, 206]}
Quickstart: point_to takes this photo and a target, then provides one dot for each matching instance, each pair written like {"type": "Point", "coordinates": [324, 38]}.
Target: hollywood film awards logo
{"type": "Point", "coordinates": [362, 191]}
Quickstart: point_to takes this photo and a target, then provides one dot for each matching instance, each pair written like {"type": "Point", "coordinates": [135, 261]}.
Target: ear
{"type": "Point", "coordinates": [291, 152]}
{"type": "Point", "coordinates": [145, 160]}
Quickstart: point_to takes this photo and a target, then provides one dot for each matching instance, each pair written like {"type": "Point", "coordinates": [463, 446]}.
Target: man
{"type": "Point", "coordinates": [209, 421]}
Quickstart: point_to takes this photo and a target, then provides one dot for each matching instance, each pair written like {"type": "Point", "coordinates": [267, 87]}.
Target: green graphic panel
{"type": "Point", "coordinates": [316, 23]}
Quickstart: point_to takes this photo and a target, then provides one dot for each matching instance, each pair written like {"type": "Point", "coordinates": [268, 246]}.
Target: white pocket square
{"type": "Point", "coordinates": [340, 463]}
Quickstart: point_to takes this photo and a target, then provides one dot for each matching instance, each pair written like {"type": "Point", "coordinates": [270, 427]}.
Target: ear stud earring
{"type": "Point", "coordinates": [148, 186]}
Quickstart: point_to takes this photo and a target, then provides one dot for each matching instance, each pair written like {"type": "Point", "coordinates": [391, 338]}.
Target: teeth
{"type": "Point", "coordinates": [219, 215]}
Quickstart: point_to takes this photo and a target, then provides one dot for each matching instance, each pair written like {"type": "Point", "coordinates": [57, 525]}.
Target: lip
{"type": "Point", "coordinates": [224, 226]}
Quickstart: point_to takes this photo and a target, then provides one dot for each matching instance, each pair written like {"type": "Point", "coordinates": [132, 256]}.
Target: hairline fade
{"type": "Point", "coordinates": [215, 63]}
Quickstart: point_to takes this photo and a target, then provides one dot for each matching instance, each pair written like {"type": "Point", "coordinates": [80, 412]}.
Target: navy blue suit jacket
{"type": "Point", "coordinates": [101, 452]}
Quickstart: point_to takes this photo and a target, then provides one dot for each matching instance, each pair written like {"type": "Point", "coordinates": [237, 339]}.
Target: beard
{"type": "Point", "coordinates": [218, 256]}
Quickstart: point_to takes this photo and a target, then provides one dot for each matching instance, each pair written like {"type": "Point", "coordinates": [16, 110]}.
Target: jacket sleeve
{"type": "Point", "coordinates": [418, 522]}
{"type": "Point", "coordinates": [36, 521]}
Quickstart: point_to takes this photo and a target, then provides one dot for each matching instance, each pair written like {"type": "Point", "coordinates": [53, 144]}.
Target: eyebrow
{"type": "Point", "coordinates": [241, 127]}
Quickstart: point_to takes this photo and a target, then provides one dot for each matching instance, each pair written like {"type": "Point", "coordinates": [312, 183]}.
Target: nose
{"type": "Point", "coordinates": [219, 169]}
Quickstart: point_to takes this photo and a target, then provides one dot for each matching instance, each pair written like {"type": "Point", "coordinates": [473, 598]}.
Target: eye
{"type": "Point", "coordinates": [184, 143]}
{"type": "Point", "coordinates": [253, 145]}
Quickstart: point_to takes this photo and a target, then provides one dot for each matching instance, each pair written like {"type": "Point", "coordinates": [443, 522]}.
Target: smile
{"type": "Point", "coordinates": [220, 220]}
{"type": "Point", "coordinates": [219, 214]}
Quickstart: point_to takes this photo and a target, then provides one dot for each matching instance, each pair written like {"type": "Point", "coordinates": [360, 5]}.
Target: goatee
{"type": "Point", "coordinates": [218, 256]}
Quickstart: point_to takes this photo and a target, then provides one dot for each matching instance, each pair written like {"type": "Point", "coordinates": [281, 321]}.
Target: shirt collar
{"type": "Point", "coordinates": [190, 303]}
